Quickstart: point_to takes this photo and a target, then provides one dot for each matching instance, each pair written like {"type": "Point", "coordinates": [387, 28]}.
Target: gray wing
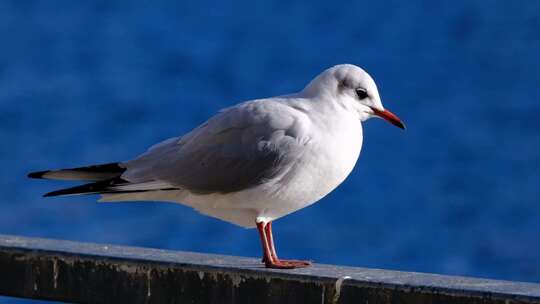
{"type": "Point", "coordinates": [239, 148]}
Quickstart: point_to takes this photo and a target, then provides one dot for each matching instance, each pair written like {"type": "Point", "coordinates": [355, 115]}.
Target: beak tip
{"type": "Point", "coordinates": [399, 124]}
{"type": "Point", "coordinates": [390, 117]}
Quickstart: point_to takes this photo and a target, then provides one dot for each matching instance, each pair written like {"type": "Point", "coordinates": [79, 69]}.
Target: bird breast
{"type": "Point", "coordinates": [326, 163]}
{"type": "Point", "coordinates": [336, 154]}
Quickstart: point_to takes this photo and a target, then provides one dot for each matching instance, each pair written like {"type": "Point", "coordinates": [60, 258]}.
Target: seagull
{"type": "Point", "coordinates": [251, 163]}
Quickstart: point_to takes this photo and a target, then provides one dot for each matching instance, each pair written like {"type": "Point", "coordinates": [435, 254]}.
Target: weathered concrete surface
{"type": "Point", "coordinates": [93, 273]}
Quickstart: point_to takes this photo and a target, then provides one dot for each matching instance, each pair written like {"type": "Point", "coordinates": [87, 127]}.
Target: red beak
{"type": "Point", "coordinates": [390, 117]}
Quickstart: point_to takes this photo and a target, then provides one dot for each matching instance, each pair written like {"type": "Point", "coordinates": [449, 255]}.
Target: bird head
{"type": "Point", "coordinates": [352, 88]}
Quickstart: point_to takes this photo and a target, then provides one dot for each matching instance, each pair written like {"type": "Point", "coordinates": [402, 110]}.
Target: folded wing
{"type": "Point", "coordinates": [237, 149]}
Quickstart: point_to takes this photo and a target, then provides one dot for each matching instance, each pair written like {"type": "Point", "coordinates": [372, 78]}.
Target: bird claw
{"type": "Point", "coordinates": [286, 264]}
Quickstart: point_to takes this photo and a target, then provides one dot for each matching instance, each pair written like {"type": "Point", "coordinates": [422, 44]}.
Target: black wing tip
{"type": "Point", "coordinates": [108, 167]}
{"type": "Point", "coordinates": [90, 188]}
{"type": "Point", "coordinates": [49, 194]}
{"type": "Point", "coordinates": [112, 169]}
{"type": "Point", "coordinates": [60, 192]}
{"type": "Point", "coordinates": [38, 174]}
{"type": "Point", "coordinates": [69, 191]}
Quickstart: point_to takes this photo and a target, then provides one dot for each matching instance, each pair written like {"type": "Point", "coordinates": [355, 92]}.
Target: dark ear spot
{"type": "Point", "coordinates": [344, 83]}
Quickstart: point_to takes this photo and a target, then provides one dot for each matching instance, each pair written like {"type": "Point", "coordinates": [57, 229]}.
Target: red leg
{"type": "Point", "coordinates": [270, 238]}
{"type": "Point", "coordinates": [270, 258]}
{"type": "Point", "coordinates": [264, 242]}
{"type": "Point", "coordinates": [270, 241]}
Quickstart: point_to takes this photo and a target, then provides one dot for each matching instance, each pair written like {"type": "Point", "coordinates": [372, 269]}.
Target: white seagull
{"type": "Point", "coordinates": [254, 162]}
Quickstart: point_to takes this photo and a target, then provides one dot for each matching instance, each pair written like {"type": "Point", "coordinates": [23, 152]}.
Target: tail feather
{"type": "Point", "coordinates": [89, 173]}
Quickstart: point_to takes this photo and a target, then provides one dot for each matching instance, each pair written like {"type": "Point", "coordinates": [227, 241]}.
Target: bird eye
{"type": "Point", "coordinates": [362, 93]}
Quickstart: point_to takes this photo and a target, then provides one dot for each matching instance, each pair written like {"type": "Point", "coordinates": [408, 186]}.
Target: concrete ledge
{"type": "Point", "coordinates": [82, 272]}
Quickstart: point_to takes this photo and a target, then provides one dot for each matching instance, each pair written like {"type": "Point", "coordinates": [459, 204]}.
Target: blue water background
{"type": "Point", "coordinates": [457, 193]}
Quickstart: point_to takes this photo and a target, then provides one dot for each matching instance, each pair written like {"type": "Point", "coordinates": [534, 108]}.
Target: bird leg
{"type": "Point", "coordinates": [270, 240]}
{"type": "Point", "coordinates": [270, 237]}
{"type": "Point", "coordinates": [270, 258]}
